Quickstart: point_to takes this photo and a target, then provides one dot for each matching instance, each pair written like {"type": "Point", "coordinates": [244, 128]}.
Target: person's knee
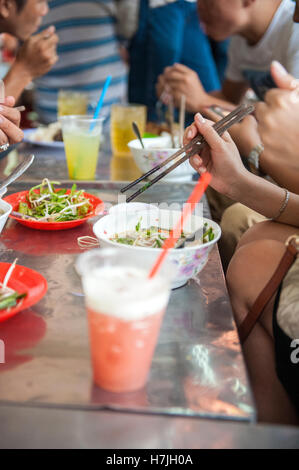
{"type": "Point", "coordinates": [267, 230]}
{"type": "Point", "coordinates": [249, 271]}
{"type": "Point", "coordinates": [232, 221]}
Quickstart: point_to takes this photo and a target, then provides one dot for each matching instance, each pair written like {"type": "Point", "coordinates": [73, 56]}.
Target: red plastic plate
{"type": "Point", "coordinates": [16, 198]}
{"type": "Point", "coordinates": [23, 280]}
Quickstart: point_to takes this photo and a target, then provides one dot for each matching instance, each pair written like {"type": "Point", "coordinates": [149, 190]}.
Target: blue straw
{"type": "Point", "coordinates": [100, 102]}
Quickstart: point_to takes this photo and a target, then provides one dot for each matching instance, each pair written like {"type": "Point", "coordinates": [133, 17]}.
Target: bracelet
{"type": "Point", "coordinates": [284, 205]}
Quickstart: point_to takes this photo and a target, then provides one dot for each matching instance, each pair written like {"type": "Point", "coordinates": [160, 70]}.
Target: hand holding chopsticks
{"type": "Point", "coordinates": [192, 148]}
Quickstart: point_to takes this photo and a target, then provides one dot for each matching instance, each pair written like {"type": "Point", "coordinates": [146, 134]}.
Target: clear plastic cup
{"type": "Point", "coordinates": [82, 144]}
{"type": "Point", "coordinates": [122, 116]}
{"type": "Point", "coordinates": [125, 311]}
{"type": "Point", "coordinates": [71, 102]}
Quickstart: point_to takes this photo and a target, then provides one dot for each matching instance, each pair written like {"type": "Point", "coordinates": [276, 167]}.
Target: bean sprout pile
{"type": "Point", "coordinates": [9, 297]}
{"type": "Point", "coordinates": [45, 203]}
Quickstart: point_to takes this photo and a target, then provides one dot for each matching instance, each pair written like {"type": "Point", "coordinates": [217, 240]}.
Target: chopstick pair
{"type": "Point", "coordinates": [194, 146]}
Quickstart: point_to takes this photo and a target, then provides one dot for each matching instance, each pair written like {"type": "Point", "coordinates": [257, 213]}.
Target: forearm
{"type": "Point", "coordinates": [265, 198]}
{"type": "Point", "coordinates": [16, 80]}
{"type": "Point", "coordinates": [215, 98]}
{"type": "Point", "coordinates": [285, 174]}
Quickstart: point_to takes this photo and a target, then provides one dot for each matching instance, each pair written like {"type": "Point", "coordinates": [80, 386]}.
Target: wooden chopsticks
{"type": "Point", "coordinates": [194, 146]}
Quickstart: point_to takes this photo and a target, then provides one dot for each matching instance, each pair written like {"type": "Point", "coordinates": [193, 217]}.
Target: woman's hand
{"type": "Point", "coordinates": [245, 134]}
{"type": "Point", "coordinates": [220, 157]}
{"type": "Point", "coordinates": [9, 123]}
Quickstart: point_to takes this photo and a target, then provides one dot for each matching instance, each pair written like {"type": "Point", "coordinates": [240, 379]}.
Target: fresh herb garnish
{"type": "Point", "coordinates": [138, 225]}
{"type": "Point", "coordinates": [44, 203]}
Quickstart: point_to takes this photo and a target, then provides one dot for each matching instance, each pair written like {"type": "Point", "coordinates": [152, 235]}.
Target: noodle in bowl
{"type": "Point", "coordinates": [187, 261]}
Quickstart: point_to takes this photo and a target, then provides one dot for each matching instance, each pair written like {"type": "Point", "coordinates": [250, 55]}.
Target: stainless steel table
{"type": "Point", "coordinates": [198, 369]}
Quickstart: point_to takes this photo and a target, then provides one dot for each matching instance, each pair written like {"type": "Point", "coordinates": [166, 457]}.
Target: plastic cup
{"type": "Point", "coordinates": [122, 133]}
{"type": "Point", "coordinates": [71, 103]}
{"type": "Point", "coordinates": [125, 311]}
{"type": "Point", "coordinates": [81, 145]}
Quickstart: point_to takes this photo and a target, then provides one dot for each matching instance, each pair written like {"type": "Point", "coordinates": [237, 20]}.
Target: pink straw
{"type": "Point", "coordinates": [175, 234]}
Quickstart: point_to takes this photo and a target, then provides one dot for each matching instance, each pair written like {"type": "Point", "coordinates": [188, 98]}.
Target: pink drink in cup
{"type": "Point", "coordinates": [125, 312]}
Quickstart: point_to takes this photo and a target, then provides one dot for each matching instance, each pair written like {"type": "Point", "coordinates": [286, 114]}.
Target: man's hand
{"type": "Point", "coordinates": [181, 80]}
{"type": "Point", "coordinates": [38, 54]}
{"type": "Point", "coordinates": [278, 118]}
{"type": "Point", "coordinates": [278, 125]}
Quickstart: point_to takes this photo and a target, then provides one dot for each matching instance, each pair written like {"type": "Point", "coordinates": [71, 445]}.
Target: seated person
{"type": "Point", "coordinates": [166, 34]}
{"type": "Point", "coordinates": [255, 261]}
{"type": "Point", "coordinates": [263, 31]}
{"type": "Point", "coordinates": [279, 132]}
{"type": "Point", "coordinates": [21, 18]}
{"type": "Point", "coordinates": [88, 52]}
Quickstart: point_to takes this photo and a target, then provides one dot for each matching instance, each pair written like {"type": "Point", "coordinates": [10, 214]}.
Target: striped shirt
{"type": "Point", "coordinates": [88, 52]}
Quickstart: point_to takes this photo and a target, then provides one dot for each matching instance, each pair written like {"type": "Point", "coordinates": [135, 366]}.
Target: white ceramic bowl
{"type": "Point", "coordinates": [6, 208]}
{"type": "Point", "coordinates": [187, 262]}
{"type": "Point", "coordinates": [157, 150]}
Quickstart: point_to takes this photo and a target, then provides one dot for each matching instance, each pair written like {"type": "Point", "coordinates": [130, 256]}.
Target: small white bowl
{"type": "Point", "coordinates": [6, 208]}
{"type": "Point", "coordinates": [157, 150]}
{"type": "Point", "coordinates": [131, 207]}
{"type": "Point", "coordinates": [187, 262]}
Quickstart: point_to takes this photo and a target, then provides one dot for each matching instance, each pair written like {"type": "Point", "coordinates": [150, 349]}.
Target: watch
{"type": "Point", "coordinates": [254, 157]}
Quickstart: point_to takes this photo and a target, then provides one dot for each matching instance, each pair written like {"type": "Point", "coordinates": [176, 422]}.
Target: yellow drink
{"type": "Point", "coordinates": [81, 144]}
{"type": "Point", "coordinates": [122, 133]}
{"type": "Point", "coordinates": [124, 168]}
{"type": "Point", "coordinates": [81, 155]}
{"type": "Point", "coordinates": [71, 103]}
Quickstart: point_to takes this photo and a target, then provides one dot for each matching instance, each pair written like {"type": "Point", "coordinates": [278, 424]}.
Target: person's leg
{"type": "Point", "coordinates": [268, 230]}
{"type": "Point", "coordinates": [248, 273]}
{"type": "Point", "coordinates": [236, 220]}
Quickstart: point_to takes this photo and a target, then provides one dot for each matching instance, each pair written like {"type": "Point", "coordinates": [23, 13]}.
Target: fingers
{"type": "Point", "coordinates": [197, 163]}
{"type": "Point", "coordinates": [282, 78]}
{"type": "Point", "coordinates": [173, 76]}
{"type": "Point", "coordinates": [212, 115]}
{"type": "Point", "coordinates": [9, 101]}
{"type": "Point", "coordinates": [11, 114]}
{"type": "Point", "coordinates": [205, 128]}
{"type": "Point", "coordinates": [181, 68]}
{"type": "Point", "coordinates": [46, 33]}
{"type": "Point", "coordinates": [11, 132]}
{"type": "Point", "coordinates": [190, 133]}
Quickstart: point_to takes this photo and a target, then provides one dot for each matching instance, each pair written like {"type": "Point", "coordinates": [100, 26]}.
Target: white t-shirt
{"type": "Point", "coordinates": [280, 42]}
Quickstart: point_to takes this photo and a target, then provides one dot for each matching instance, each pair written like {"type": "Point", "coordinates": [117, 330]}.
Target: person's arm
{"type": "Point", "coordinates": [232, 91]}
{"type": "Point", "coordinates": [265, 198]}
{"type": "Point", "coordinates": [278, 119]}
{"type": "Point", "coordinates": [34, 58]}
{"type": "Point", "coordinates": [229, 176]}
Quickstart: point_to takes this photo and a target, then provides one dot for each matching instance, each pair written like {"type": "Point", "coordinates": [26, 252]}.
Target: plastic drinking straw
{"type": "Point", "coordinates": [175, 234]}
{"type": "Point", "coordinates": [100, 102]}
